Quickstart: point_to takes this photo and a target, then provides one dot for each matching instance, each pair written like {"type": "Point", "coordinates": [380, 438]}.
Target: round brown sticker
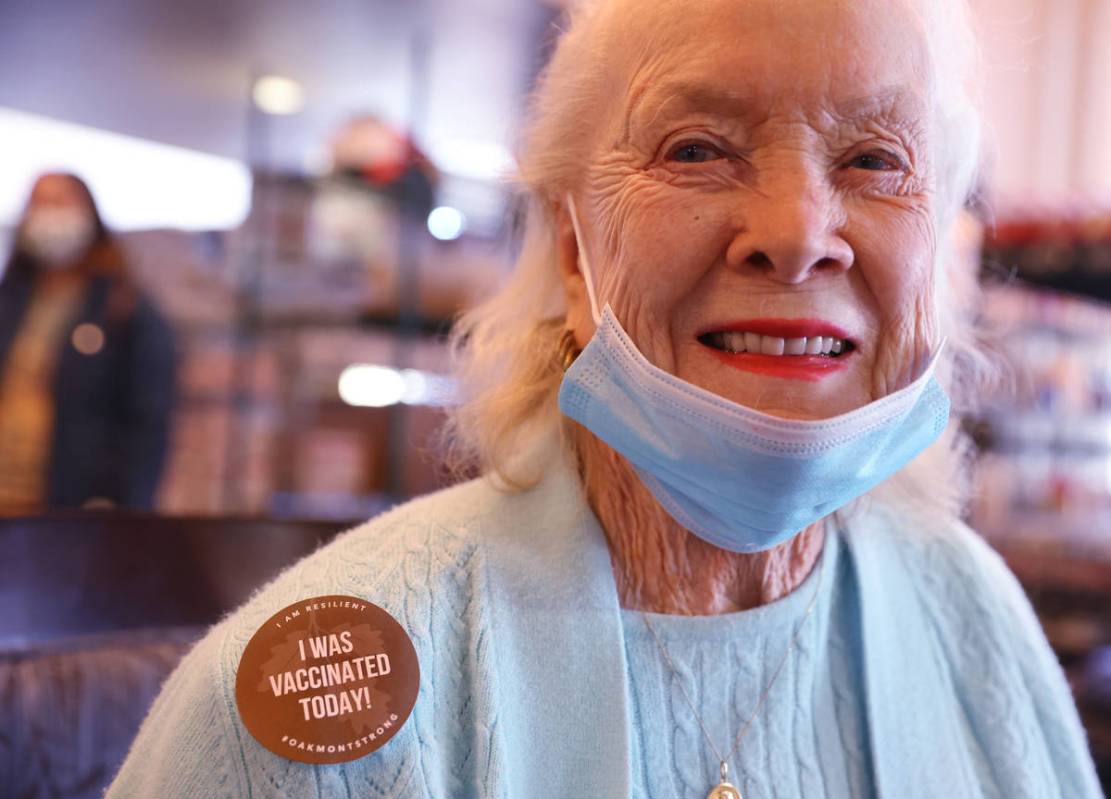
{"type": "Point", "coordinates": [327, 680]}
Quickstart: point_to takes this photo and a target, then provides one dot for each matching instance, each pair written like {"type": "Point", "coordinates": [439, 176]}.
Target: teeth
{"type": "Point", "coordinates": [795, 346]}
{"type": "Point", "coordinates": [735, 342]}
{"type": "Point", "coordinates": [774, 345]}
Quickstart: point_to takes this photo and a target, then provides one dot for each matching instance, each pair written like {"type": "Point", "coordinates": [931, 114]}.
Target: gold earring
{"type": "Point", "coordinates": [568, 349]}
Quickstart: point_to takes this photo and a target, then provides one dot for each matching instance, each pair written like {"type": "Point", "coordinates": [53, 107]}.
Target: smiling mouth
{"type": "Point", "coordinates": [736, 342]}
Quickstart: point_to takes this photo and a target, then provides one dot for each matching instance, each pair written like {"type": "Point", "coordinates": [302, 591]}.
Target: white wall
{"type": "Point", "coordinates": [1048, 99]}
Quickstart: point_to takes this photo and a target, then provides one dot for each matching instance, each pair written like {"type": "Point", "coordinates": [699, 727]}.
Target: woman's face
{"type": "Point", "coordinates": [59, 226]}
{"type": "Point", "coordinates": [766, 183]}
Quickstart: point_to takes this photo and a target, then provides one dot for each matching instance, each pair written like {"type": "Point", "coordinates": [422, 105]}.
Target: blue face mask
{"type": "Point", "coordinates": [740, 479]}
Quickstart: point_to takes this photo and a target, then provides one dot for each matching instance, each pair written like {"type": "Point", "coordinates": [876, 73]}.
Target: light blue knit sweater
{"type": "Point", "coordinates": [724, 664]}
{"type": "Point", "coordinates": [511, 604]}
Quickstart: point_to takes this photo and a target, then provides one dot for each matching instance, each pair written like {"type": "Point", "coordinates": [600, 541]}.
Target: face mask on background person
{"type": "Point", "coordinates": [740, 479]}
{"type": "Point", "coordinates": [57, 237]}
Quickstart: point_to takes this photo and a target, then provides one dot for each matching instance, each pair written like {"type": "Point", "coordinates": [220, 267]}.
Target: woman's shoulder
{"type": "Point", "coordinates": [987, 639]}
{"type": "Point", "coordinates": [978, 611]}
{"type": "Point", "coordinates": [430, 547]}
{"type": "Point", "coordinates": [942, 549]}
{"type": "Point", "coordinates": [420, 561]}
{"type": "Point", "coordinates": [436, 528]}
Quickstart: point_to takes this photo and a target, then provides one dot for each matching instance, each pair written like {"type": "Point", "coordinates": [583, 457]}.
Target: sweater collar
{"type": "Point", "coordinates": [562, 667]}
{"type": "Point", "coordinates": [558, 642]}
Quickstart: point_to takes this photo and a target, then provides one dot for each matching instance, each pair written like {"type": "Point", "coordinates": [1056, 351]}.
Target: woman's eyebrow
{"type": "Point", "coordinates": [680, 97]}
{"type": "Point", "coordinates": [893, 101]}
{"type": "Point", "coordinates": [686, 96]}
{"type": "Point", "coordinates": [649, 101]}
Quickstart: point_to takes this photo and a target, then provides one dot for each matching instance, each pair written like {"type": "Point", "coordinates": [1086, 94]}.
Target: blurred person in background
{"type": "Point", "coordinates": [87, 363]}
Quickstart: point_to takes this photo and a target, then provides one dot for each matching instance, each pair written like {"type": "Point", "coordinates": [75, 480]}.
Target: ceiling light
{"type": "Point", "coordinates": [274, 94]}
{"type": "Point", "coordinates": [446, 223]}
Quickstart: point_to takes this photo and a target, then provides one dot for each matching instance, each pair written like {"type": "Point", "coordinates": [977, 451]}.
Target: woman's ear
{"type": "Point", "coordinates": [579, 317]}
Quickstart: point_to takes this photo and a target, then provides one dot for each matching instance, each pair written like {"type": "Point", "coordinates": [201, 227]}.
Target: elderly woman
{"type": "Point", "coordinates": [713, 552]}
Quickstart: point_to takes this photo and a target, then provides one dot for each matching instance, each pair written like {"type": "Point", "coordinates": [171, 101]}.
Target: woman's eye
{"type": "Point", "coordinates": [695, 153]}
{"type": "Point", "coordinates": [876, 162]}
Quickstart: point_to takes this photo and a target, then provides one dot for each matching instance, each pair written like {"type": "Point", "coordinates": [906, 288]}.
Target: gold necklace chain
{"type": "Point", "coordinates": [724, 761]}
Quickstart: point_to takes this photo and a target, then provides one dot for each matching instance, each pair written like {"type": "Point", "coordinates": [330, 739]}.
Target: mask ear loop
{"type": "Point", "coordinates": [584, 262]}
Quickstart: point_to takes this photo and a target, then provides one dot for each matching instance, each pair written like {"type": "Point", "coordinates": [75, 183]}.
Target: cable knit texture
{"type": "Point", "coordinates": [725, 663]}
{"type": "Point", "coordinates": [924, 673]}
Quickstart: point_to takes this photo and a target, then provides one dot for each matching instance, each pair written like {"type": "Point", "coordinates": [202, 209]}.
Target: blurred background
{"type": "Point", "coordinates": [233, 237]}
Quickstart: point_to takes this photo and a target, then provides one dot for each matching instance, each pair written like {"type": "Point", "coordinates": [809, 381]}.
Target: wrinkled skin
{"type": "Point", "coordinates": [768, 158]}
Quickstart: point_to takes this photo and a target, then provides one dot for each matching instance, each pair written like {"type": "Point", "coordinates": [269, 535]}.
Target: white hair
{"type": "Point", "coordinates": [507, 349]}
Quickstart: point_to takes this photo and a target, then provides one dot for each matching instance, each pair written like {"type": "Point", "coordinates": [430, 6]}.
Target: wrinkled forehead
{"type": "Point", "coordinates": [837, 59]}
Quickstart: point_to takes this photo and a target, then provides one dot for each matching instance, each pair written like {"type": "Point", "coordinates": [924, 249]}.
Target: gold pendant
{"type": "Point", "coordinates": [724, 791]}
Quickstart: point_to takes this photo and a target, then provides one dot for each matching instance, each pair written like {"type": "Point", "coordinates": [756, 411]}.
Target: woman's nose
{"type": "Point", "coordinates": [791, 234]}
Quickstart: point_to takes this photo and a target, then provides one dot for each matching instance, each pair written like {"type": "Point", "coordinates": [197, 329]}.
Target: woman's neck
{"type": "Point", "coordinates": [661, 567]}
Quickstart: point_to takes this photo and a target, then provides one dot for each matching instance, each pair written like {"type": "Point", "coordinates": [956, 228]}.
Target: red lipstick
{"type": "Point", "coordinates": [796, 367]}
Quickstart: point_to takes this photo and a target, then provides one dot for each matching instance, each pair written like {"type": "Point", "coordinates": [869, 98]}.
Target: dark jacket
{"type": "Point", "coordinates": [112, 408]}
